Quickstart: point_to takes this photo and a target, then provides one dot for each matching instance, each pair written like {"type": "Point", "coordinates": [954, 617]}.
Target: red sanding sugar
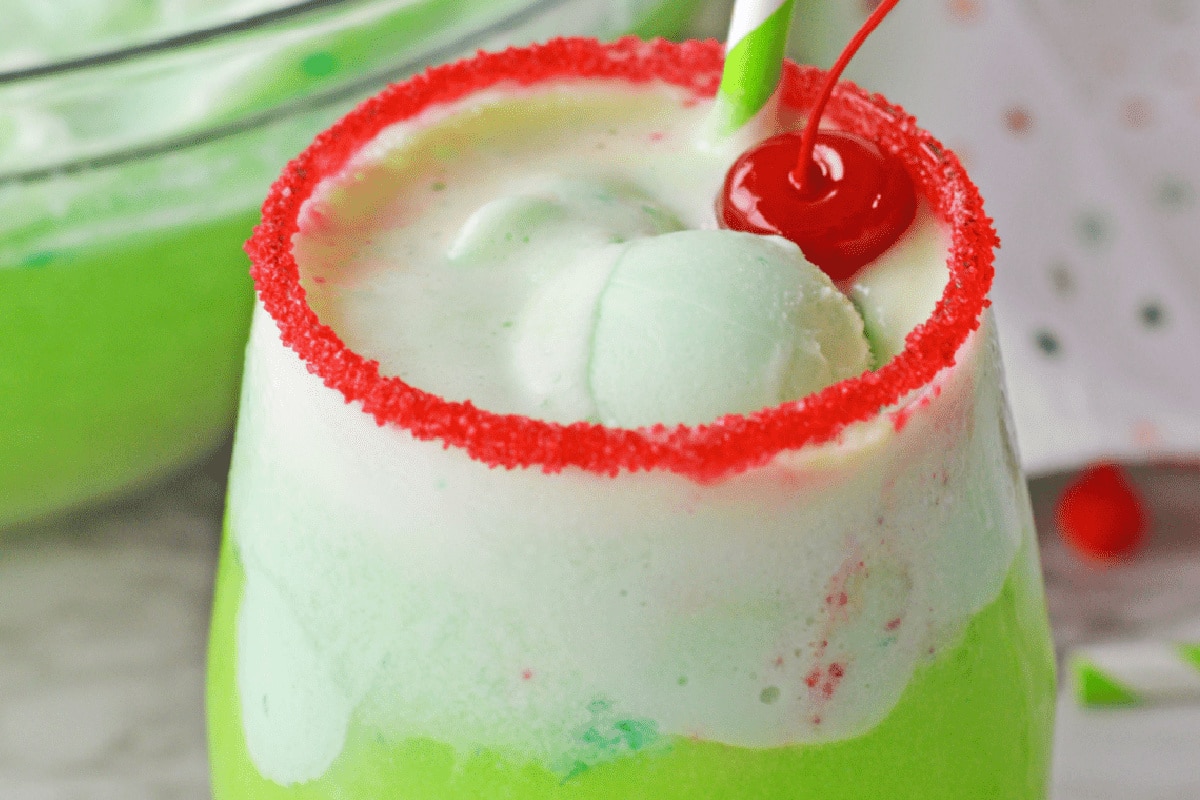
{"type": "Point", "coordinates": [1101, 515]}
{"type": "Point", "coordinates": [704, 452]}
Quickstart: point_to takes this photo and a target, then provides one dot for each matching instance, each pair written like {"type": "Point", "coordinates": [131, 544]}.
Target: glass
{"type": "Point", "coordinates": [838, 598]}
{"type": "Point", "coordinates": [129, 179]}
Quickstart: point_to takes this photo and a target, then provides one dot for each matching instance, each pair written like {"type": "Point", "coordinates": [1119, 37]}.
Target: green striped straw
{"type": "Point", "coordinates": [1136, 673]}
{"type": "Point", "coordinates": [758, 34]}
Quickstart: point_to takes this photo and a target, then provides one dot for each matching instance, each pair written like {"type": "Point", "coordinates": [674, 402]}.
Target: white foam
{"type": "Point", "coordinates": [429, 586]}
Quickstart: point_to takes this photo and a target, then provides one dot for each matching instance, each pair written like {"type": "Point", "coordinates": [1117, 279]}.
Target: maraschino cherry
{"type": "Point", "coordinates": [835, 194]}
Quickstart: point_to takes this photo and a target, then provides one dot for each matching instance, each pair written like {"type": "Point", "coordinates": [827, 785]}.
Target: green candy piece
{"type": "Point", "coordinates": [1094, 687]}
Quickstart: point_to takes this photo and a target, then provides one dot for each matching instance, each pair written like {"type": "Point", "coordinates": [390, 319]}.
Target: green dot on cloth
{"type": "Point", "coordinates": [1093, 229]}
{"type": "Point", "coordinates": [1152, 314]}
{"type": "Point", "coordinates": [1047, 342]}
{"type": "Point", "coordinates": [1174, 193]}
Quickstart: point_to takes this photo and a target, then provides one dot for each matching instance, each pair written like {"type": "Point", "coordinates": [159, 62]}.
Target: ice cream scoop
{"type": "Point", "coordinates": [696, 324]}
{"type": "Point", "coordinates": [631, 321]}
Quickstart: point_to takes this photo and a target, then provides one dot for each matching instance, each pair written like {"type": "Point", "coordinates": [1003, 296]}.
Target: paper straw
{"type": "Point", "coordinates": [758, 34]}
{"type": "Point", "coordinates": [1136, 673]}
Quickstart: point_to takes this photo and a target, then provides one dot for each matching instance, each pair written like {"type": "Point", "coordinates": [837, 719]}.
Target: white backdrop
{"type": "Point", "coordinates": [1080, 121]}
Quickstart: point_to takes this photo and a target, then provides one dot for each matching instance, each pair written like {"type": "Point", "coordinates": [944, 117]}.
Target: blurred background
{"type": "Point", "coordinates": [137, 140]}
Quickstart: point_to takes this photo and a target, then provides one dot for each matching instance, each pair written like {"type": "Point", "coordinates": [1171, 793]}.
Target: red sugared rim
{"type": "Point", "coordinates": [704, 452]}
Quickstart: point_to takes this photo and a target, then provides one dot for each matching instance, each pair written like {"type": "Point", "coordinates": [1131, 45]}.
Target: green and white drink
{"type": "Point", "coordinates": [456, 567]}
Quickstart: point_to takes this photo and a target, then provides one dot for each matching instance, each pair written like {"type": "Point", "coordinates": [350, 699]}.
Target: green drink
{"type": "Point", "coordinates": [946, 738]}
{"type": "Point", "coordinates": [834, 597]}
{"type": "Point", "coordinates": [128, 184]}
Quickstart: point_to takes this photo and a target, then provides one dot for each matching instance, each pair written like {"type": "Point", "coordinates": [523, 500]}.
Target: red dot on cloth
{"type": "Point", "coordinates": [1147, 435]}
{"type": "Point", "coordinates": [965, 10]}
{"type": "Point", "coordinates": [1101, 515]}
{"type": "Point", "coordinates": [1136, 112]}
{"type": "Point", "coordinates": [1018, 120]}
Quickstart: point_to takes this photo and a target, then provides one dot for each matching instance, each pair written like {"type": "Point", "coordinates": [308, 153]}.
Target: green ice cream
{"type": "Point", "coordinates": [635, 322]}
{"type": "Point", "coordinates": [696, 324]}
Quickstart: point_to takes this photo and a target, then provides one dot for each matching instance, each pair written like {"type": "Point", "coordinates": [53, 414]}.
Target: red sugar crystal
{"type": "Point", "coordinates": [1101, 515]}
{"type": "Point", "coordinates": [705, 452]}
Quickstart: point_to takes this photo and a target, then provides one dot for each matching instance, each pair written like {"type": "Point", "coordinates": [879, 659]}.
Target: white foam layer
{"type": "Point", "coordinates": [482, 607]}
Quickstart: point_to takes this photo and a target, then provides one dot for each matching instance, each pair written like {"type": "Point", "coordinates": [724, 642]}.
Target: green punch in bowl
{"type": "Point", "coordinates": [129, 178]}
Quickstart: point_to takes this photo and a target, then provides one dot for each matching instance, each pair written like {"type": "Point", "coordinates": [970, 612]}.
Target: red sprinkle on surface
{"type": "Point", "coordinates": [836, 673]}
{"type": "Point", "coordinates": [823, 683]}
{"type": "Point", "coordinates": [1101, 515]}
{"type": "Point", "coordinates": [901, 416]}
{"type": "Point", "coordinates": [703, 453]}
{"type": "Point", "coordinates": [526, 674]}
{"type": "Point", "coordinates": [893, 624]}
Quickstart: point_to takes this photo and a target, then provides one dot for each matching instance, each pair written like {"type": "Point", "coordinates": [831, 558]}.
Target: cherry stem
{"type": "Point", "coordinates": [802, 173]}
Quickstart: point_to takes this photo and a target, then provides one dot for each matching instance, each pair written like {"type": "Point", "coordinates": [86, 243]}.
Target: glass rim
{"type": "Point", "coordinates": [707, 452]}
{"type": "Point", "coordinates": [331, 96]}
{"type": "Point", "coordinates": [116, 55]}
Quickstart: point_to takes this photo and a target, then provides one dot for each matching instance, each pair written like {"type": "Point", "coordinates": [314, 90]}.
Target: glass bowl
{"type": "Point", "coordinates": [131, 175]}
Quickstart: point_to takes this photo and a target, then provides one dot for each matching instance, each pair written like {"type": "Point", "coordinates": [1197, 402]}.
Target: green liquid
{"type": "Point", "coordinates": [974, 723]}
{"type": "Point", "coordinates": [120, 360]}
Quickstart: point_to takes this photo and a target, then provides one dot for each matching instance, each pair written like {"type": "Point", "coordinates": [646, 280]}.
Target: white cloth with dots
{"type": "Point", "coordinates": [1080, 121]}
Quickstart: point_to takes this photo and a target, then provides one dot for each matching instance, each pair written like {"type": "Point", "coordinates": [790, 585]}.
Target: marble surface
{"type": "Point", "coordinates": [103, 618]}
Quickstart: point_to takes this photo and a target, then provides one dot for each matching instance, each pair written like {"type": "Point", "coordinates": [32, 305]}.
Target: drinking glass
{"type": "Point", "coordinates": [834, 598]}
